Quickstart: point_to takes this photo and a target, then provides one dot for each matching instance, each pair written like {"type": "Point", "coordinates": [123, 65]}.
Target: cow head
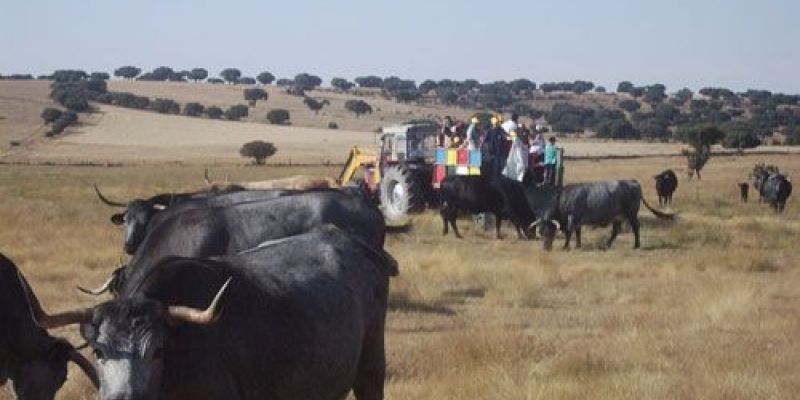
{"type": "Point", "coordinates": [548, 228]}
{"type": "Point", "coordinates": [136, 218]}
{"type": "Point", "coordinates": [128, 338]}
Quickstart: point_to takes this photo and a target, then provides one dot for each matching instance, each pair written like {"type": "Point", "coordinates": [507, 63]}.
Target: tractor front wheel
{"type": "Point", "coordinates": [401, 192]}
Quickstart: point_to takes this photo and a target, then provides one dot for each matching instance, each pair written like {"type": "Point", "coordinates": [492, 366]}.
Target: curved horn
{"type": "Point", "coordinates": [102, 289]}
{"type": "Point", "coordinates": [535, 223]}
{"type": "Point", "coordinates": [107, 201]}
{"type": "Point", "coordinates": [558, 226]}
{"type": "Point", "coordinates": [47, 321]}
{"type": "Point", "coordinates": [195, 316]}
{"type": "Point", "coordinates": [86, 366]}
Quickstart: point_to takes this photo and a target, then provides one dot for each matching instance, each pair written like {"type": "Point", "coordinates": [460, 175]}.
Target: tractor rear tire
{"type": "Point", "coordinates": [402, 192]}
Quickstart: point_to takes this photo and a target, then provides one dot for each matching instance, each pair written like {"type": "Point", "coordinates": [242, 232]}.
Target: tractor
{"type": "Point", "coordinates": [399, 176]}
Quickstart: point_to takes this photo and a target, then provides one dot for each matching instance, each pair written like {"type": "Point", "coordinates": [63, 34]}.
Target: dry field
{"type": "Point", "coordinates": [708, 309]}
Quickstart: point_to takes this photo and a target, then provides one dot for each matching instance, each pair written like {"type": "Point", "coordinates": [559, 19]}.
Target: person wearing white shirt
{"type": "Point", "coordinates": [512, 125]}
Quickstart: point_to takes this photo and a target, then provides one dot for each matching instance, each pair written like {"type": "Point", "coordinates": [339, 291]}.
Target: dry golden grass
{"type": "Point", "coordinates": [707, 309]}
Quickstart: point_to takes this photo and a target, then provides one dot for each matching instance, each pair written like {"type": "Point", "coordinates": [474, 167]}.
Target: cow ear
{"type": "Point", "coordinates": [118, 219]}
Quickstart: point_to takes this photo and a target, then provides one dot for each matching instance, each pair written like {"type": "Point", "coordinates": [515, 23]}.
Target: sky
{"type": "Point", "coordinates": [737, 44]}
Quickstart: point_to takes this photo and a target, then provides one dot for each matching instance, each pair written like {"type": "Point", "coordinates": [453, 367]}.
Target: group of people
{"type": "Point", "coordinates": [507, 148]}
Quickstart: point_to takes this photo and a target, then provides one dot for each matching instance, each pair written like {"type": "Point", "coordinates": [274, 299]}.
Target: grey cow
{"type": "Point", "coordinates": [303, 318]}
{"type": "Point", "coordinates": [596, 203]}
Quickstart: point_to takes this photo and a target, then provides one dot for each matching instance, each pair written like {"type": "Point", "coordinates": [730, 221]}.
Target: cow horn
{"type": "Point", "coordinates": [159, 207]}
{"type": "Point", "coordinates": [86, 366]}
{"type": "Point", "coordinates": [558, 226]}
{"type": "Point", "coordinates": [195, 316]}
{"type": "Point", "coordinates": [102, 289]}
{"type": "Point", "coordinates": [47, 321]}
{"type": "Point", "coordinates": [107, 201]}
{"type": "Point", "coordinates": [535, 223]}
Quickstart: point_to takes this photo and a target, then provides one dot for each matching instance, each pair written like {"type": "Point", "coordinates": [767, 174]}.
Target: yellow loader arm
{"type": "Point", "coordinates": [358, 158]}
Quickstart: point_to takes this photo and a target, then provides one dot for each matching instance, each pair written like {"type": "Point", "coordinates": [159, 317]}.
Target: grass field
{"type": "Point", "coordinates": [708, 308]}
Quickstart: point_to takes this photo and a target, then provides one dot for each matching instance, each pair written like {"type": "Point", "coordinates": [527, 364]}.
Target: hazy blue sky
{"type": "Point", "coordinates": [732, 43]}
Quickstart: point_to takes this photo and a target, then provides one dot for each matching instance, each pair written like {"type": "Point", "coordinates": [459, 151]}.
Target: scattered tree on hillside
{"type": "Point", "coordinates": [600, 89]}
{"type": "Point", "coordinates": [254, 94]}
{"type": "Point", "coordinates": [165, 106]}
{"type": "Point", "coordinates": [624, 87]}
{"type": "Point", "coordinates": [740, 135]}
{"type": "Point", "coordinates": [236, 112]}
{"type": "Point", "coordinates": [655, 94]}
{"type": "Point", "coordinates": [158, 74]}
{"type": "Point", "coordinates": [258, 150]}
{"type": "Point", "coordinates": [50, 114]}
{"type": "Point", "coordinates": [214, 112]}
{"type": "Point", "coordinates": [246, 81]}
{"type": "Point", "coordinates": [682, 96]}
{"type": "Point", "coordinates": [582, 86]}
{"type": "Point", "coordinates": [215, 81]}
{"type": "Point", "coordinates": [198, 74]}
{"type": "Point", "coordinates": [358, 107]}
{"type": "Point", "coordinates": [99, 76]}
{"type": "Point", "coordinates": [342, 84]}
{"type": "Point", "coordinates": [66, 119]}
{"type": "Point", "coordinates": [426, 86]}
{"type": "Point", "coordinates": [306, 82]}
{"type": "Point", "coordinates": [284, 82]}
{"type": "Point", "coordinates": [193, 109]}
{"type": "Point", "coordinates": [69, 75]}
{"type": "Point", "coordinates": [278, 116]}
{"type": "Point", "coordinates": [616, 129]}
{"type": "Point", "coordinates": [315, 105]}
{"type": "Point", "coordinates": [519, 86]}
{"type": "Point", "coordinates": [369, 81]}
{"type": "Point", "coordinates": [629, 105]}
{"type": "Point", "coordinates": [700, 139]}
{"type": "Point", "coordinates": [265, 78]}
{"type": "Point", "coordinates": [231, 75]}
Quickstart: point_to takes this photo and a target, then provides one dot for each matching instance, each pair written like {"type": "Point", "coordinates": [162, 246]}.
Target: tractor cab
{"type": "Point", "coordinates": [408, 144]}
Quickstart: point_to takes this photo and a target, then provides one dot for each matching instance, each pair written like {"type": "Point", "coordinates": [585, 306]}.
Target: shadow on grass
{"type": "Point", "coordinates": [401, 302]}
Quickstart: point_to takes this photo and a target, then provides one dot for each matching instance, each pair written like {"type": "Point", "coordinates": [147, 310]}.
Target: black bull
{"type": "Point", "coordinates": [201, 231]}
{"type": "Point", "coordinates": [303, 318]}
{"type": "Point", "coordinates": [596, 204]}
{"type": "Point", "coordinates": [34, 361]}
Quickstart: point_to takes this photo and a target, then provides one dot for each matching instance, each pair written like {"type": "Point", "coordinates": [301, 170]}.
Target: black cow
{"type": "Point", "coordinates": [192, 231]}
{"type": "Point", "coordinates": [303, 318]}
{"type": "Point", "coordinates": [34, 361]}
{"type": "Point", "coordinates": [502, 197]}
{"type": "Point", "coordinates": [596, 203]}
{"type": "Point", "coordinates": [666, 183]}
{"type": "Point", "coordinates": [773, 187]}
{"type": "Point", "coordinates": [139, 212]}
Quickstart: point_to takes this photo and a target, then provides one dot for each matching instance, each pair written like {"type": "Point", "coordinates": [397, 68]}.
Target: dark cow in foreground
{"type": "Point", "coordinates": [773, 187]}
{"type": "Point", "coordinates": [502, 197]}
{"type": "Point", "coordinates": [34, 361]}
{"type": "Point", "coordinates": [666, 183]}
{"type": "Point", "coordinates": [597, 204]}
{"type": "Point", "coordinates": [303, 318]}
{"type": "Point", "coordinates": [187, 230]}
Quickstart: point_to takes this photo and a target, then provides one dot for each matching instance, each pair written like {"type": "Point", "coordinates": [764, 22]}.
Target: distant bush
{"type": "Point", "coordinates": [342, 84]}
{"type": "Point", "coordinates": [214, 112]}
{"type": "Point", "coordinates": [629, 105]}
{"type": "Point", "coordinates": [333, 125]}
{"type": "Point", "coordinates": [369, 81]}
{"type": "Point", "coordinates": [99, 76]}
{"type": "Point", "coordinates": [278, 116]}
{"type": "Point", "coordinates": [50, 114]}
{"type": "Point", "coordinates": [246, 81]}
{"type": "Point", "coordinates": [284, 82]}
{"type": "Point", "coordinates": [740, 136]}
{"type": "Point", "coordinates": [258, 150]}
{"type": "Point", "coordinates": [61, 123]}
{"type": "Point", "coordinates": [236, 112]}
{"type": "Point", "coordinates": [307, 81]}
{"type": "Point", "coordinates": [166, 106]}
{"type": "Point", "coordinates": [193, 109]}
{"type": "Point", "coordinates": [215, 81]}
{"type": "Point", "coordinates": [69, 75]}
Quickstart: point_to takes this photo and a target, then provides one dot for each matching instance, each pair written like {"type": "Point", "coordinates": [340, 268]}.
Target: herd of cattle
{"type": "Point", "coordinates": [233, 293]}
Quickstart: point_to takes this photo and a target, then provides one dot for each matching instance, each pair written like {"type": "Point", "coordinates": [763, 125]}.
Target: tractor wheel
{"type": "Point", "coordinates": [401, 192]}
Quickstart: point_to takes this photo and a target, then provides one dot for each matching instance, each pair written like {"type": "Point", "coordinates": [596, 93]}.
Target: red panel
{"type": "Point", "coordinates": [439, 172]}
{"type": "Point", "coordinates": [462, 157]}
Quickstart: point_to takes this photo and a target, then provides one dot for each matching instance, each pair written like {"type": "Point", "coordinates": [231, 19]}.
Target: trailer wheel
{"type": "Point", "coordinates": [401, 192]}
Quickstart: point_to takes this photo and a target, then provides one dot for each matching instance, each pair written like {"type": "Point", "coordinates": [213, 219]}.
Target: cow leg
{"type": "Point", "coordinates": [498, 222]}
{"type": "Point", "coordinates": [615, 228]}
{"type": "Point", "coordinates": [371, 372]}
{"type": "Point", "coordinates": [442, 212]}
{"type": "Point", "coordinates": [634, 221]}
{"type": "Point", "coordinates": [578, 237]}
{"type": "Point", "coordinates": [453, 218]}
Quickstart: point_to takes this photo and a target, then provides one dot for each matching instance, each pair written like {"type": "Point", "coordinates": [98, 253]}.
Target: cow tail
{"type": "Point", "coordinates": [657, 213]}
